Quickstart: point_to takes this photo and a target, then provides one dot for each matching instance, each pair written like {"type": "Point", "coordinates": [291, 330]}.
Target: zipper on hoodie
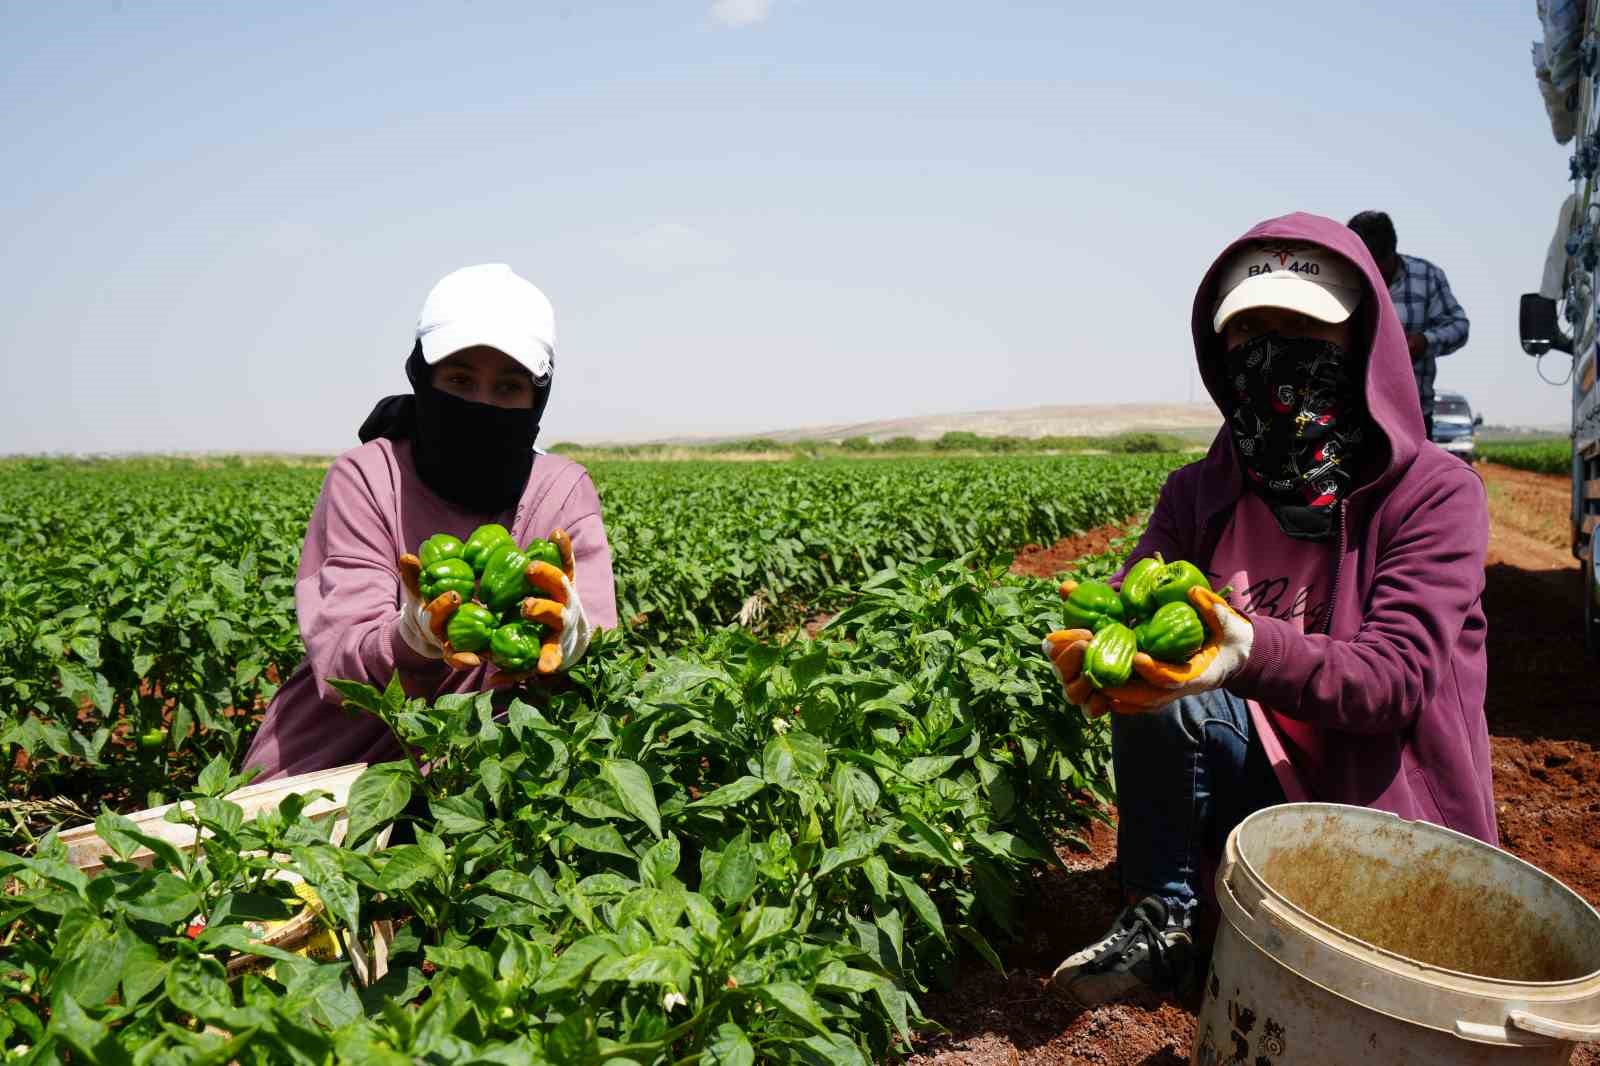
{"type": "Point", "coordinates": [1338, 570]}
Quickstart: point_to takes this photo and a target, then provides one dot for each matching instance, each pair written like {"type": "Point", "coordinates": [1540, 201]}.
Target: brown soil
{"type": "Point", "coordinates": [1034, 560]}
{"type": "Point", "coordinates": [1543, 707]}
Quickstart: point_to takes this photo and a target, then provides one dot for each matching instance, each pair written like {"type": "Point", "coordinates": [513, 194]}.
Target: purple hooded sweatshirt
{"type": "Point", "coordinates": [1392, 689]}
{"type": "Point", "coordinates": [373, 509]}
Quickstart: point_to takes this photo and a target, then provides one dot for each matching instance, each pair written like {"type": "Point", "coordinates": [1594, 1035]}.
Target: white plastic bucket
{"type": "Point", "coordinates": [1350, 935]}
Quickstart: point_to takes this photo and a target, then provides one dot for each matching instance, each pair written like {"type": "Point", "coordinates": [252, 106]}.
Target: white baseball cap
{"type": "Point", "coordinates": [1307, 278]}
{"type": "Point", "coordinates": [489, 305]}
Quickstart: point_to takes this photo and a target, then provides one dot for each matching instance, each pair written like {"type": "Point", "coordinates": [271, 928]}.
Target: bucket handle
{"type": "Point", "coordinates": [1558, 1030]}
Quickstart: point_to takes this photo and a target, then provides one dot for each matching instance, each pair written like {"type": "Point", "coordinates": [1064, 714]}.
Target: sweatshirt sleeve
{"type": "Point", "coordinates": [1424, 585]}
{"type": "Point", "coordinates": [1447, 324]}
{"type": "Point", "coordinates": [347, 593]}
{"type": "Point", "coordinates": [591, 553]}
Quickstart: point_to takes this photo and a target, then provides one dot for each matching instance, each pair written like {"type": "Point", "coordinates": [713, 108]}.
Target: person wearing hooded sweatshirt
{"type": "Point", "coordinates": [456, 453]}
{"type": "Point", "coordinates": [1346, 664]}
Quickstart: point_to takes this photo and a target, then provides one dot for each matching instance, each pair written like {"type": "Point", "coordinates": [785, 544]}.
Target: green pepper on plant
{"type": "Point", "coordinates": [438, 548]}
{"type": "Point", "coordinates": [505, 581]}
{"type": "Point", "coordinates": [1092, 605]}
{"type": "Point", "coordinates": [543, 551]}
{"type": "Point", "coordinates": [1173, 634]}
{"type": "Point", "coordinates": [1139, 583]}
{"type": "Point", "coordinates": [471, 628]}
{"type": "Point", "coordinates": [1108, 660]}
{"type": "Point", "coordinates": [484, 540]}
{"type": "Point", "coordinates": [515, 646]}
{"type": "Point", "coordinates": [1175, 581]}
{"type": "Point", "coordinates": [447, 575]}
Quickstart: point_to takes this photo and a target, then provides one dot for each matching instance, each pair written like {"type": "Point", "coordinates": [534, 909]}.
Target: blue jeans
{"type": "Point", "coordinates": [1186, 775]}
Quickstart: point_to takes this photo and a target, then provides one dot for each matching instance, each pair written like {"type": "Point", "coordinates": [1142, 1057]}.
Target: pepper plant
{"type": "Point", "coordinates": [747, 850]}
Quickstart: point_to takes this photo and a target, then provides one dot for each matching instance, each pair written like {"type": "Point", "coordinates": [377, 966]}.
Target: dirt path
{"type": "Point", "coordinates": [1543, 707]}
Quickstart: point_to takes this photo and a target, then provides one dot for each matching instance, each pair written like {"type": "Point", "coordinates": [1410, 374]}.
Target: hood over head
{"type": "Point", "coordinates": [1390, 387]}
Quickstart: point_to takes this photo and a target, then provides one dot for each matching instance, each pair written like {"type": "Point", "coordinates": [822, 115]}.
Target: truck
{"type": "Point", "coordinates": [1562, 316]}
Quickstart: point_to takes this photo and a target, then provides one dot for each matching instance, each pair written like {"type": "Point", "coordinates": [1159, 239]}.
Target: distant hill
{"type": "Point", "coordinates": [1089, 420]}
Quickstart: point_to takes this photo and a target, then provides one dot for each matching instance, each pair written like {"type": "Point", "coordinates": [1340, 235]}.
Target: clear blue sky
{"type": "Point", "coordinates": [220, 223]}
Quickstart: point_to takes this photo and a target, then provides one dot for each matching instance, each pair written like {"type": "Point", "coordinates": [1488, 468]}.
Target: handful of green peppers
{"type": "Point", "coordinates": [488, 571]}
{"type": "Point", "coordinates": [1150, 614]}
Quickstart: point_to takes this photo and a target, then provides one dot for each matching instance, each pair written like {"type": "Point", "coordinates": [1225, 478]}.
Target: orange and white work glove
{"type": "Point", "coordinates": [559, 609]}
{"type": "Point", "coordinates": [1229, 638]}
{"type": "Point", "coordinates": [422, 625]}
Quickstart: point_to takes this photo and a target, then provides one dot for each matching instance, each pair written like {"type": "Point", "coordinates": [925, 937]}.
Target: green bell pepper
{"type": "Point", "coordinates": [485, 539]}
{"type": "Point", "coordinates": [1175, 581]}
{"type": "Point", "coordinates": [1139, 583]}
{"type": "Point", "coordinates": [505, 580]}
{"type": "Point", "coordinates": [544, 551]}
{"type": "Point", "coordinates": [447, 575]}
{"type": "Point", "coordinates": [438, 548]}
{"type": "Point", "coordinates": [516, 645]}
{"type": "Point", "coordinates": [1108, 660]}
{"type": "Point", "coordinates": [471, 628]}
{"type": "Point", "coordinates": [1172, 634]}
{"type": "Point", "coordinates": [1092, 606]}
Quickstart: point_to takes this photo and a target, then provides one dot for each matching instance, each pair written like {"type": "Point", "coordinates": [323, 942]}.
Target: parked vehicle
{"type": "Point", "coordinates": [1455, 426]}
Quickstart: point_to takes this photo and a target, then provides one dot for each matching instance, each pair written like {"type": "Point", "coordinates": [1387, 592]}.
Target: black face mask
{"type": "Point", "coordinates": [475, 455]}
{"type": "Point", "coordinates": [1299, 425]}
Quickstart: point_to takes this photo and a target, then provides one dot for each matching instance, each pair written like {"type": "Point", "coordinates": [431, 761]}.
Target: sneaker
{"type": "Point", "coordinates": [1146, 949]}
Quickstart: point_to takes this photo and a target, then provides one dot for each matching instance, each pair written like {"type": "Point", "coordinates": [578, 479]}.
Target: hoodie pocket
{"type": "Point", "coordinates": [1422, 789]}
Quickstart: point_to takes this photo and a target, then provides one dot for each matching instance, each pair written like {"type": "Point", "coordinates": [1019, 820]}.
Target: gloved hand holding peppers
{"type": "Point", "coordinates": [486, 599]}
{"type": "Point", "coordinates": [1164, 636]}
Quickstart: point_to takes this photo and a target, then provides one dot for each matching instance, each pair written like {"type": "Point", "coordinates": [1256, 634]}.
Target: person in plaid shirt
{"type": "Point", "coordinates": [1434, 323]}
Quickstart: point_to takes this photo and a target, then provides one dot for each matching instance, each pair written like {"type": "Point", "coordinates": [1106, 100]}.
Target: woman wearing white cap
{"type": "Point", "coordinates": [1346, 663]}
{"type": "Point", "coordinates": [456, 453]}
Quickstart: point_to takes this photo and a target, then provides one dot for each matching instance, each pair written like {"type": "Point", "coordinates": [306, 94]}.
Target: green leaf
{"type": "Point", "coordinates": [214, 778]}
{"type": "Point", "coordinates": [765, 923]}
{"type": "Point", "coordinates": [660, 862]}
{"type": "Point", "coordinates": [92, 974]}
{"type": "Point", "coordinates": [142, 969]}
{"type": "Point", "coordinates": [735, 876]}
{"type": "Point", "coordinates": [928, 767]}
{"type": "Point", "coordinates": [221, 634]}
{"type": "Point", "coordinates": [574, 964]}
{"type": "Point", "coordinates": [659, 965]}
{"type": "Point", "coordinates": [90, 1038]}
{"type": "Point", "coordinates": [922, 904]}
{"type": "Point", "coordinates": [852, 851]}
{"type": "Point", "coordinates": [458, 815]}
{"type": "Point", "coordinates": [729, 1047]}
{"type": "Point", "coordinates": [238, 938]}
{"type": "Point", "coordinates": [794, 759]}
{"type": "Point", "coordinates": [1010, 846]}
{"type": "Point", "coordinates": [320, 865]}
{"type": "Point", "coordinates": [600, 838]}
{"type": "Point", "coordinates": [877, 871]}
{"type": "Point", "coordinates": [731, 793]}
{"type": "Point", "coordinates": [168, 901]}
{"type": "Point", "coordinates": [981, 945]}
{"type": "Point", "coordinates": [932, 838]}
{"type": "Point", "coordinates": [634, 789]}
{"type": "Point", "coordinates": [405, 866]}
{"type": "Point", "coordinates": [378, 795]}
{"type": "Point", "coordinates": [358, 693]}
{"type": "Point", "coordinates": [794, 1001]}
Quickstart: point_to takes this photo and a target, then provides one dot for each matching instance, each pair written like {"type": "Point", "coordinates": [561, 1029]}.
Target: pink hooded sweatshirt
{"type": "Point", "coordinates": [373, 509]}
{"type": "Point", "coordinates": [1385, 694]}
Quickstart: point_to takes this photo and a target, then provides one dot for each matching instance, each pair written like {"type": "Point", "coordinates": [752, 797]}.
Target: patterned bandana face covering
{"type": "Point", "coordinates": [1299, 424]}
